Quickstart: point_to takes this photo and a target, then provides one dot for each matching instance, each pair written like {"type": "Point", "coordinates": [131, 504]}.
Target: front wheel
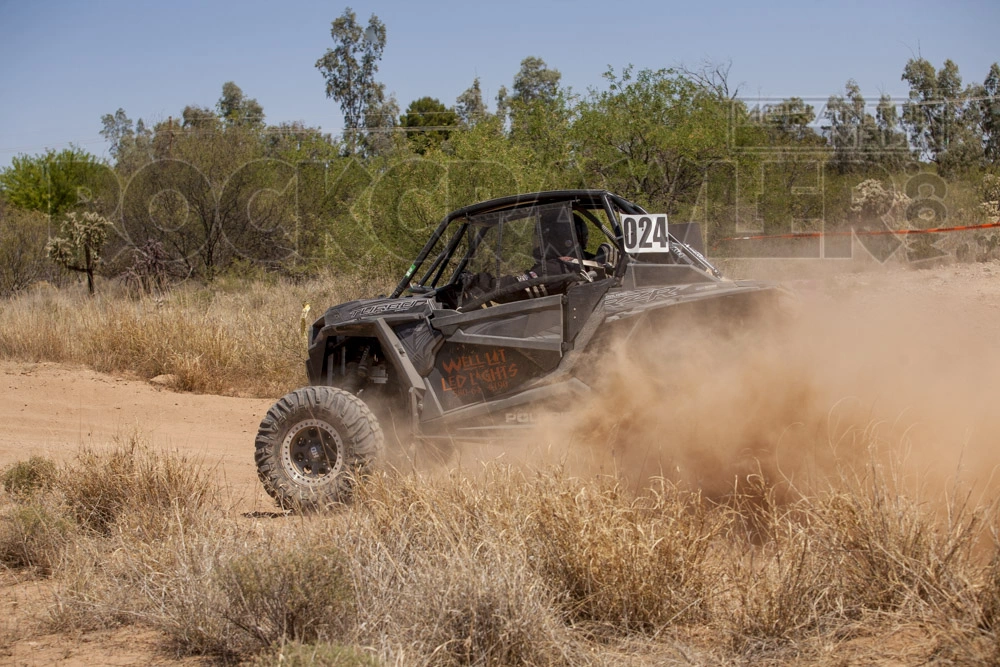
{"type": "Point", "coordinates": [311, 445]}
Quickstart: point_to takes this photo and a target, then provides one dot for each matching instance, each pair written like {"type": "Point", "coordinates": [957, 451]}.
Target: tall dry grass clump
{"type": "Point", "coordinates": [778, 574]}
{"type": "Point", "coordinates": [316, 654]}
{"type": "Point", "coordinates": [441, 567]}
{"type": "Point", "coordinates": [296, 591]}
{"type": "Point", "coordinates": [620, 563]}
{"type": "Point", "coordinates": [854, 559]}
{"type": "Point", "coordinates": [33, 530]}
{"type": "Point", "coordinates": [236, 339]}
{"type": "Point", "coordinates": [130, 483]}
{"type": "Point", "coordinates": [52, 512]}
{"type": "Point", "coordinates": [34, 534]}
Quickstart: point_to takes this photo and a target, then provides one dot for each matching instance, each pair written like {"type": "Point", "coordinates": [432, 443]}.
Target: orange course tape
{"type": "Point", "coordinates": [863, 232]}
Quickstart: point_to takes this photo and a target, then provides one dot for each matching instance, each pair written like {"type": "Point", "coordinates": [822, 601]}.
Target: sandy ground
{"type": "Point", "coordinates": [53, 410]}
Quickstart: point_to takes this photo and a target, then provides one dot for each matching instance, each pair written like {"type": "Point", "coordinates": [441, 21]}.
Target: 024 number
{"type": "Point", "coordinates": [645, 233]}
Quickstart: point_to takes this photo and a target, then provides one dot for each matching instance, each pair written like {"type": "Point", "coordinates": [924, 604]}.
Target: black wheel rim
{"type": "Point", "coordinates": [312, 452]}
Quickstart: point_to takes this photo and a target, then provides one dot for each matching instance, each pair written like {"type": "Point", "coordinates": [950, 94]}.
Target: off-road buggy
{"type": "Point", "coordinates": [485, 330]}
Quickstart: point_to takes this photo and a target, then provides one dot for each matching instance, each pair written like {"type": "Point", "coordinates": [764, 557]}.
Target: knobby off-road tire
{"type": "Point", "coordinates": [313, 443]}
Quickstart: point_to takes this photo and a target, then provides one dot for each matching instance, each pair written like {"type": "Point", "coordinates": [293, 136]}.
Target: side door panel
{"type": "Point", "coordinates": [492, 351]}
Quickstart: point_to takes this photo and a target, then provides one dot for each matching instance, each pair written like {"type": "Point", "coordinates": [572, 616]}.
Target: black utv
{"type": "Point", "coordinates": [485, 330]}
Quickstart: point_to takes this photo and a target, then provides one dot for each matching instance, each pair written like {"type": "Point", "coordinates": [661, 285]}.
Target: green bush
{"type": "Point", "coordinates": [24, 478]}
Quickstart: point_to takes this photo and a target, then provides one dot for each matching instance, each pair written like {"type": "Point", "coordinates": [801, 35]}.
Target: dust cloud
{"type": "Point", "coordinates": [898, 367]}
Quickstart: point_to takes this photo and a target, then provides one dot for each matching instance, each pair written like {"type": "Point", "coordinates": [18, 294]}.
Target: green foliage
{"type": "Point", "coordinates": [469, 106]}
{"type": "Point", "coordinates": [349, 69]}
{"type": "Point", "coordinates": [427, 121]}
{"type": "Point", "coordinates": [236, 109]}
{"type": "Point", "coordinates": [130, 143]}
{"type": "Point", "coordinates": [540, 113]}
{"type": "Point", "coordinates": [990, 188]}
{"type": "Point", "coordinates": [990, 109]}
{"type": "Point", "coordinates": [944, 121]}
{"type": "Point", "coordinates": [218, 190]}
{"type": "Point", "coordinates": [861, 142]}
{"type": "Point", "coordinates": [650, 136]}
{"type": "Point", "coordinates": [921, 115]}
{"type": "Point", "coordinates": [789, 122]}
{"type": "Point", "coordinates": [535, 81]}
{"type": "Point", "coordinates": [54, 182]}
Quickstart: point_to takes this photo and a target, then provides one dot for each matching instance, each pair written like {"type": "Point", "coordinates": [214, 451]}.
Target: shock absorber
{"type": "Point", "coordinates": [355, 383]}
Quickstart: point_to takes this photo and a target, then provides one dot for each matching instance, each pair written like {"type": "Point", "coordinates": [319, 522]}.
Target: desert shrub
{"type": "Point", "coordinates": [212, 586]}
{"type": "Point", "coordinates": [505, 566]}
{"type": "Point", "coordinates": [149, 272]}
{"type": "Point", "coordinates": [170, 584]}
{"type": "Point", "coordinates": [442, 570]}
{"type": "Point", "coordinates": [784, 587]}
{"type": "Point", "coordinates": [469, 608]}
{"type": "Point", "coordinates": [988, 597]}
{"type": "Point", "coordinates": [870, 199]}
{"type": "Point", "coordinates": [22, 249]}
{"type": "Point", "coordinates": [294, 592]}
{"type": "Point", "coordinates": [24, 478]}
{"type": "Point", "coordinates": [891, 553]}
{"type": "Point", "coordinates": [624, 564]}
{"type": "Point", "coordinates": [33, 535]}
{"type": "Point", "coordinates": [861, 552]}
{"type": "Point", "coordinates": [131, 481]}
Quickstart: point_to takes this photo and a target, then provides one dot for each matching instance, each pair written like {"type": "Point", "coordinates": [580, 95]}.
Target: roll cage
{"type": "Point", "coordinates": [456, 240]}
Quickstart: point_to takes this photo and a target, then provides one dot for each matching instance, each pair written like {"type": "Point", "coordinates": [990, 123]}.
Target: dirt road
{"type": "Point", "coordinates": [52, 410]}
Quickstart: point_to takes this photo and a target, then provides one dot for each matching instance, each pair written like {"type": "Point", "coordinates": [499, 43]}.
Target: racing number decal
{"type": "Point", "coordinates": [645, 233]}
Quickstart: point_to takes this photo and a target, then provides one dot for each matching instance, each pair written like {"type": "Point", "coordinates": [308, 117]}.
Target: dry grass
{"type": "Point", "coordinates": [514, 567]}
{"type": "Point", "coordinates": [319, 654]}
{"type": "Point", "coordinates": [33, 535]}
{"type": "Point", "coordinates": [234, 339]}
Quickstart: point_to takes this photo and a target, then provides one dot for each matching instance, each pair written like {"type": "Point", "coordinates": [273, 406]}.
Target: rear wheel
{"type": "Point", "coordinates": [313, 443]}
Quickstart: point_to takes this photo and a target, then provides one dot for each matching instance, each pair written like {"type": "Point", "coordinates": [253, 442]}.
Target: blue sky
{"type": "Point", "coordinates": [64, 64]}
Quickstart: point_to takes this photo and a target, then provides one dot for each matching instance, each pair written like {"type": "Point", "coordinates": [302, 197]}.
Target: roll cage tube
{"type": "Point", "coordinates": [619, 236]}
{"type": "Point", "coordinates": [424, 252]}
{"type": "Point", "coordinates": [440, 263]}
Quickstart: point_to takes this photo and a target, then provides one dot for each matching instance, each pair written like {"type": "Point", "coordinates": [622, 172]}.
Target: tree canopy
{"type": "Point", "coordinates": [427, 122]}
{"type": "Point", "coordinates": [349, 69]}
{"type": "Point", "coordinates": [53, 182]}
